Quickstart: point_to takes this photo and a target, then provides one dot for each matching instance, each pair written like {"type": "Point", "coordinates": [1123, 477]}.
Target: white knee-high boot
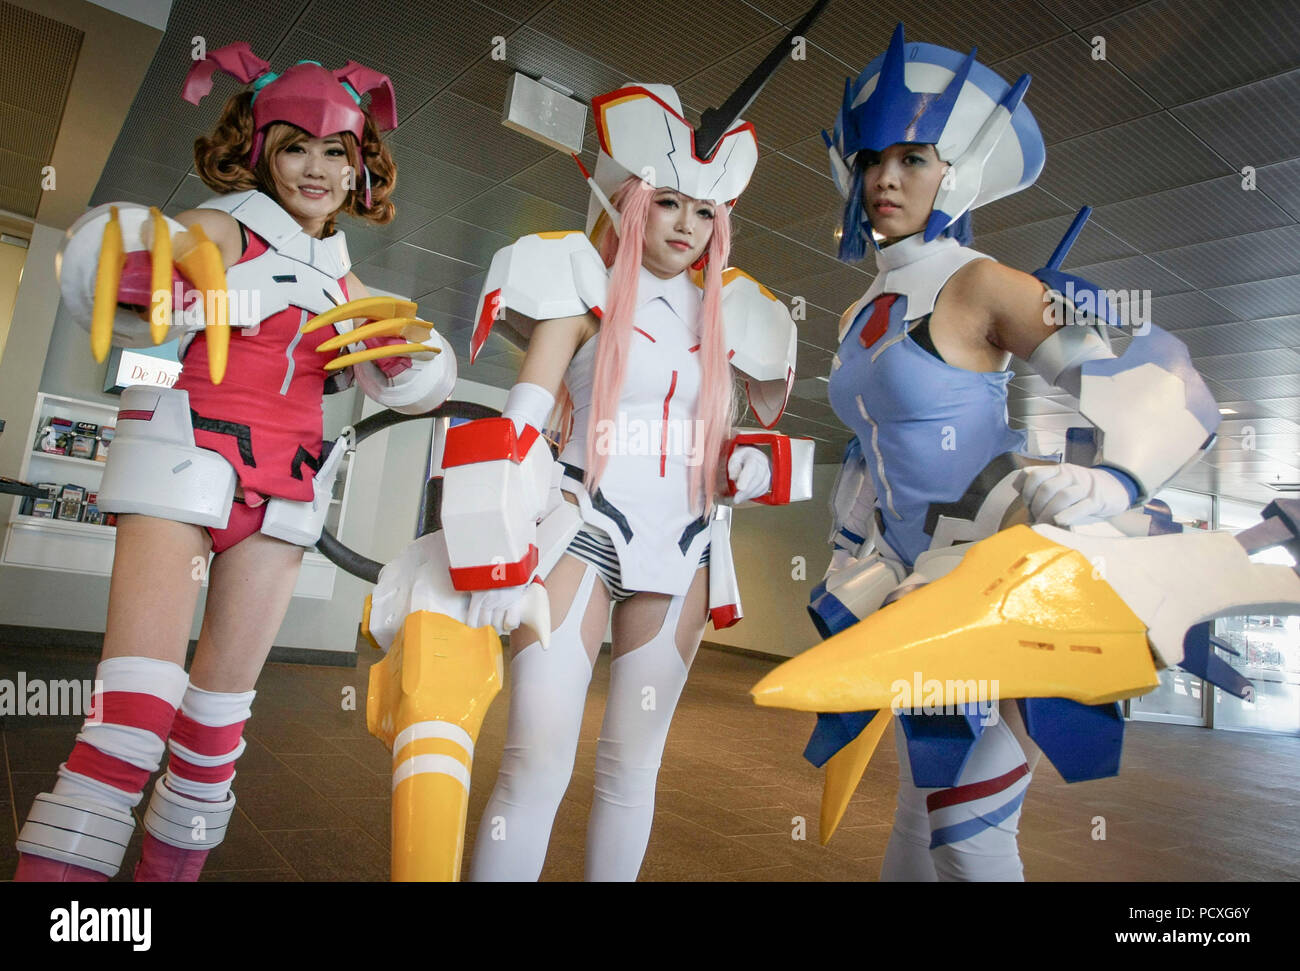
{"type": "Point", "coordinates": [548, 690]}
{"type": "Point", "coordinates": [644, 686]}
{"type": "Point", "coordinates": [970, 829]}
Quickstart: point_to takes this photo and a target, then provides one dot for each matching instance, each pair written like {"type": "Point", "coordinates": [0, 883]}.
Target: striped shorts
{"type": "Point", "coordinates": [593, 545]}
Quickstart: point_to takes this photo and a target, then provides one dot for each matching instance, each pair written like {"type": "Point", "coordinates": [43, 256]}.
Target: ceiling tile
{"type": "Point", "coordinates": [1255, 364]}
{"type": "Point", "coordinates": [1252, 125]}
{"type": "Point", "coordinates": [1029, 247]}
{"type": "Point", "coordinates": [685, 34]}
{"type": "Point", "coordinates": [455, 130]}
{"type": "Point", "coordinates": [1191, 214]}
{"type": "Point", "coordinates": [434, 185]}
{"type": "Point", "coordinates": [1249, 335]}
{"type": "Point", "coordinates": [459, 240]}
{"type": "Point", "coordinates": [1072, 94]}
{"type": "Point", "coordinates": [1178, 50]}
{"type": "Point", "coordinates": [1030, 205]}
{"type": "Point", "coordinates": [1237, 259]}
{"type": "Point", "coordinates": [557, 179]}
{"type": "Point", "coordinates": [1263, 298]}
{"type": "Point", "coordinates": [1132, 159]}
{"type": "Point", "coordinates": [774, 260]}
{"type": "Point", "coordinates": [431, 40]}
{"type": "Point", "coordinates": [1281, 183]}
{"type": "Point", "coordinates": [1080, 13]}
{"type": "Point", "coordinates": [782, 192]}
{"type": "Point", "coordinates": [856, 33]}
{"type": "Point", "coordinates": [513, 213]}
{"type": "Point", "coordinates": [1190, 309]}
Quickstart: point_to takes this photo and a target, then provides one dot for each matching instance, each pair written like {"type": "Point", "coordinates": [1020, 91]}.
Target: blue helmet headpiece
{"type": "Point", "coordinates": [925, 94]}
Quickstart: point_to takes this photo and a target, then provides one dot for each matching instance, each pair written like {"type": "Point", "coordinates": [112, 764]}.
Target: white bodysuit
{"type": "Point", "coordinates": [642, 501]}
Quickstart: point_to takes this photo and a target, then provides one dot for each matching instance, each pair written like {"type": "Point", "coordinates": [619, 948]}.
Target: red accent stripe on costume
{"type": "Point", "coordinates": [724, 617]}
{"type": "Point", "coordinates": [600, 314]}
{"type": "Point", "coordinates": [491, 304]}
{"type": "Point", "coordinates": [108, 769]}
{"type": "Point", "coordinates": [206, 739]}
{"type": "Point", "coordinates": [878, 322]}
{"type": "Point", "coordinates": [495, 574]}
{"type": "Point", "coordinates": [134, 414]}
{"type": "Point", "coordinates": [692, 350]}
{"type": "Point", "coordinates": [663, 439]}
{"type": "Point", "coordinates": [645, 335]}
{"type": "Point", "coordinates": [177, 766]}
{"type": "Point", "coordinates": [487, 440]}
{"type": "Point", "coordinates": [135, 709]}
{"type": "Point", "coordinates": [975, 790]}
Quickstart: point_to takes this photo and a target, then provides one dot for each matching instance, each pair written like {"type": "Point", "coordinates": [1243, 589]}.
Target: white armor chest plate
{"type": "Point", "coordinates": [296, 270]}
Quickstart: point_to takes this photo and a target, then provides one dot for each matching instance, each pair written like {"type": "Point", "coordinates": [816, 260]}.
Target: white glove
{"type": "Point", "coordinates": [750, 469]}
{"type": "Point", "coordinates": [506, 608]}
{"type": "Point", "coordinates": [1071, 495]}
{"type": "Point", "coordinates": [840, 559]}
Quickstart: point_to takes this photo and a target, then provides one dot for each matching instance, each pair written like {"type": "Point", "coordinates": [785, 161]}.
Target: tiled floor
{"type": "Point", "coordinates": [313, 791]}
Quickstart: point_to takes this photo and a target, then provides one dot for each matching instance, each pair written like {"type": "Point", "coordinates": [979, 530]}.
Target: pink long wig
{"type": "Point", "coordinates": [622, 253]}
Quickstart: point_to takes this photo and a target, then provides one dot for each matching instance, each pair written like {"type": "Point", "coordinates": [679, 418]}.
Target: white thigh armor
{"type": "Point", "coordinates": [156, 469]}
{"type": "Point", "coordinates": [301, 523]}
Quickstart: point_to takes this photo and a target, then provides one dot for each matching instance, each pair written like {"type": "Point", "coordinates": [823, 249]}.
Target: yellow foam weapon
{"type": "Point", "coordinates": [1026, 615]}
{"type": "Point", "coordinates": [426, 702]}
{"type": "Point", "coordinates": [199, 260]}
{"type": "Point", "coordinates": [843, 773]}
{"type": "Point", "coordinates": [391, 316]}
{"type": "Point", "coordinates": [1019, 617]}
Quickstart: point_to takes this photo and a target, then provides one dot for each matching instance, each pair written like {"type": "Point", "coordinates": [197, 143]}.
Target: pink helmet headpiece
{"type": "Point", "coordinates": [319, 101]}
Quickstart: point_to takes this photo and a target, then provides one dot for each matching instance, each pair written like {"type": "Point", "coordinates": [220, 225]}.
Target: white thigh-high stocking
{"type": "Point", "coordinates": [548, 689]}
{"type": "Point", "coordinates": [967, 832]}
{"type": "Point", "coordinates": [644, 686]}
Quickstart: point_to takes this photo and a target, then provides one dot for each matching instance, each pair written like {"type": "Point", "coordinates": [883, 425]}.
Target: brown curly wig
{"type": "Point", "coordinates": [221, 160]}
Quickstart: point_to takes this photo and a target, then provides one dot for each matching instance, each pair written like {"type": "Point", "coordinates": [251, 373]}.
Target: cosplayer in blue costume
{"type": "Point", "coordinates": [924, 136]}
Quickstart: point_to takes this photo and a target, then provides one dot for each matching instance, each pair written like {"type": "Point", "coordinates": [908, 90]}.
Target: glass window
{"type": "Point", "coordinates": [1179, 697]}
{"type": "Point", "coordinates": [1269, 648]}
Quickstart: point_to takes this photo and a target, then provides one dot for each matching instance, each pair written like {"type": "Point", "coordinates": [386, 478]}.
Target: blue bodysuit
{"type": "Point", "coordinates": [927, 428]}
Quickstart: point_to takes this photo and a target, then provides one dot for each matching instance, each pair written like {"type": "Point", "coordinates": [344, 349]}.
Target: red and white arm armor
{"type": "Point", "coordinates": [497, 486]}
{"type": "Point", "coordinates": [791, 462]}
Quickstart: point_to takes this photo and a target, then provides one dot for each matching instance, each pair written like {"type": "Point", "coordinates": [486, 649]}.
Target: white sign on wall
{"type": "Point", "coordinates": [136, 368]}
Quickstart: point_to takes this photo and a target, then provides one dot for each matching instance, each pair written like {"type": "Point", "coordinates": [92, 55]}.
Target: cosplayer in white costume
{"type": "Point", "coordinates": [924, 136]}
{"type": "Point", "coordinates": [181, 453]}
{"type": "Point", "coordinates": [638, 473]}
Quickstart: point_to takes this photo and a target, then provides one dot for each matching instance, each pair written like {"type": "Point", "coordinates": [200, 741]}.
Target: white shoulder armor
{"type": "Point", "coordinates": [761, 342]}
{"type": "Point", "coordinates": [541, 277]}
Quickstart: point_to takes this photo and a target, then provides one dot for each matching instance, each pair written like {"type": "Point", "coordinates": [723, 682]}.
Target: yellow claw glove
{"type": "Point", "coordinates": [199, 261]}
{"type": "Point", "coordinates": [390, 316]}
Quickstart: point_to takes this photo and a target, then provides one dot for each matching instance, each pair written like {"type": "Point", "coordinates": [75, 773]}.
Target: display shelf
{"type": "Point", "coordinates": [38, 456]}
{"type": "Point", "coordinates": [66, 525]}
